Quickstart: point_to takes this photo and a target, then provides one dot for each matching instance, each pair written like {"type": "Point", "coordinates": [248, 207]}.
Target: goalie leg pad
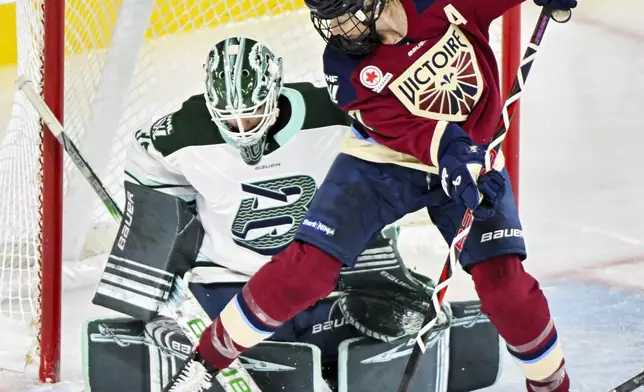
{"type": "Point", "coordinates": [116, 356]}
{"type": "Point", "coordinates": [159, 238]}
{"type": "Point", "coordinates": [123, 354]}
{"type": "Point", "coordinates": [475, 349]}
{"type": "Point", "coordinates": [284, 366]}
{"type": "Point", "coordinates": [369, 365]}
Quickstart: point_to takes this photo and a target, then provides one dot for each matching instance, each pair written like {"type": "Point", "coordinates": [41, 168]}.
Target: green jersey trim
{"type": "Point", "coordinates": [192, 125]}
{"type": "Point", "coordinates": [298, 114]}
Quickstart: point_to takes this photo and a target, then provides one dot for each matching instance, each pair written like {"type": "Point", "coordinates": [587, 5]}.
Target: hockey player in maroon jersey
{"type": "Point", "coordinates": [420, 79]}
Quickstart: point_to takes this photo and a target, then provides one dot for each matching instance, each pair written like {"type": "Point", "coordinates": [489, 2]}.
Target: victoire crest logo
{"type": "Point", "coordinates": [444, 83]}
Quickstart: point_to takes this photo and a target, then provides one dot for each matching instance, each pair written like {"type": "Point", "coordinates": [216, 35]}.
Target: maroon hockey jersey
{"type": "Point", "coordinates": [444, 71]}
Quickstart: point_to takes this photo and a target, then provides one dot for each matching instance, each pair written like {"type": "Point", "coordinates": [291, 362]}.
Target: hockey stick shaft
{"type": "Point", "coordinates": [634, 383]}
{"type": "Point", "coordinates": [192, 326]}
{"type": "Point", "coordinates": [456, 247]}
{"type": "Point", "coordinates": [27, 87]}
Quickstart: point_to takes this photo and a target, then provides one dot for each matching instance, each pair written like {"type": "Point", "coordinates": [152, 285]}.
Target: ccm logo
{"type": "Point", "coordinates": [503, 233]}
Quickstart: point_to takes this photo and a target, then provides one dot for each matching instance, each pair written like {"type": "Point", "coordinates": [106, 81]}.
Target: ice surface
{"type": "Point", "coordinates": [581, 201]}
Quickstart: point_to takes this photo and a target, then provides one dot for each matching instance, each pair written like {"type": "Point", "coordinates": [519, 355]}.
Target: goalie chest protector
{"type": "Point", "coordinates": [250, 213]}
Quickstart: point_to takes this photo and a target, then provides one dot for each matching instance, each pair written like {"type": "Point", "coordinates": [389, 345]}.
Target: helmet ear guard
{"type": "Point", "coordinates": [243, 81]}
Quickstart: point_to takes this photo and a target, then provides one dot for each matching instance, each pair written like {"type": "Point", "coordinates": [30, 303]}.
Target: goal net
{"type": "Point", "coordinates": [107, 67]}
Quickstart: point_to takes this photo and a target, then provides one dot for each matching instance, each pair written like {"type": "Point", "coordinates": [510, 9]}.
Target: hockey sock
{"type": "Point", "coordinates": [517, 307]}
{"type": "Point", "coordinates": [292, 281]}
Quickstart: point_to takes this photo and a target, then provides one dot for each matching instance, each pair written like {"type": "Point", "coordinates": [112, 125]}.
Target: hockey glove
{"type": "Point", "coordinates": [459, 165]}
{"type": "Point", "coordinates": [389, 312]}
{"type": "Point", "coordinates": [564, 5]}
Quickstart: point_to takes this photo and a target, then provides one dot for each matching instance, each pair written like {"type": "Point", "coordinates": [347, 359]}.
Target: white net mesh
{"type": "Point", "coordinates": [126, 62]}
{"type": "Point", "coordinates": [20, 181]}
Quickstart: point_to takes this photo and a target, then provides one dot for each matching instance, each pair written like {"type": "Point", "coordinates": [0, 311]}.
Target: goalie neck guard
{"type": "Point", "coordinates": [243, 82]}
{"type": "Point", "coordinates": [347, 25]}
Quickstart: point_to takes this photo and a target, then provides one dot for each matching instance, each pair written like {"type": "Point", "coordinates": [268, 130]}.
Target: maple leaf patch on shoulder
{"type": "Point", "coordinates": [372, 78]}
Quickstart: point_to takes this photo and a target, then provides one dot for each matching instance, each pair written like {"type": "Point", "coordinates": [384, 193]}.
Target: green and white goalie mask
{"type": "Point", "coordinates": [243, 83]}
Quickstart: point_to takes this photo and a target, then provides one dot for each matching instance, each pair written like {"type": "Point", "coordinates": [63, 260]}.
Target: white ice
{"type": "Point", "coordinates": [581, 200]}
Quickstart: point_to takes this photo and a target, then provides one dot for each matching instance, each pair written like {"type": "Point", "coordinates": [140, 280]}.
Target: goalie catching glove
{"type": "Point", "coordinates": [388, 315]}
{"type": "Point", "coordinates": [386, 303]}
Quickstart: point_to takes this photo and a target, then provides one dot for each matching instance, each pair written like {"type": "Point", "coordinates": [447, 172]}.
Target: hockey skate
{"type": "Point", "coordinates": [196, 375]}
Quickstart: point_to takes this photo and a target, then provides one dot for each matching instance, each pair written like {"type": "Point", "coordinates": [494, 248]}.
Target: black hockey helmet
{"type": "Point", "coordinates": [347, 25]}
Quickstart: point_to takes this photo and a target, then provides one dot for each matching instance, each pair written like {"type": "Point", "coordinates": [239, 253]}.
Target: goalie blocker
{"type": "Point", "coordinates": [146, 256]}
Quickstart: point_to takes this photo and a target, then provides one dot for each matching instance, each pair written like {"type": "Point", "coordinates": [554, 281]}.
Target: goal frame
{"type": "Point", "coordinates": [53, 77]}
{"type": "Point", "coordinates": [510, 61]}
{"type": "Point", "coordinates": [53, 73]}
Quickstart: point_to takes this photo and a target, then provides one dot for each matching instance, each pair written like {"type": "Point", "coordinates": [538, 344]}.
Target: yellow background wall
{"type": "Point", "coordinates": [90, 23]}
{"type": "Point", "coordinates": [7, 34]}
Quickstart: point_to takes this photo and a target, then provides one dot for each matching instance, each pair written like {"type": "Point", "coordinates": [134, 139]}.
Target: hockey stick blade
{"type": "Point", "coordinates": [456, 246]}
{"type": "Point", "coordinates": [632, 384]}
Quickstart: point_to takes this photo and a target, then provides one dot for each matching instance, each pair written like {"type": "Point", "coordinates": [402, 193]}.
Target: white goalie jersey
{"type": "Point", "coordinates": [249, 213]}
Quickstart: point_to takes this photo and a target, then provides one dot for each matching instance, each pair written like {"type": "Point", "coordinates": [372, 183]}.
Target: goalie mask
{"type": "Point", "coordinates": [243, 83]}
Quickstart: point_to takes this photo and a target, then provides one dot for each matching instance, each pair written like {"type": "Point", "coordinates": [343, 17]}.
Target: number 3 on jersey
{"type": "Point", "coordinates": [269, 209]}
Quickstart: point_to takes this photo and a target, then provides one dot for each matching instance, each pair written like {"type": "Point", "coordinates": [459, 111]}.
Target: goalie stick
{"type": "Point", "coordinates": [494, 147]}
{"type": "Point", "coordinates": [182, 305]}
{"type": "Point", "coordinates": [26, 86]}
